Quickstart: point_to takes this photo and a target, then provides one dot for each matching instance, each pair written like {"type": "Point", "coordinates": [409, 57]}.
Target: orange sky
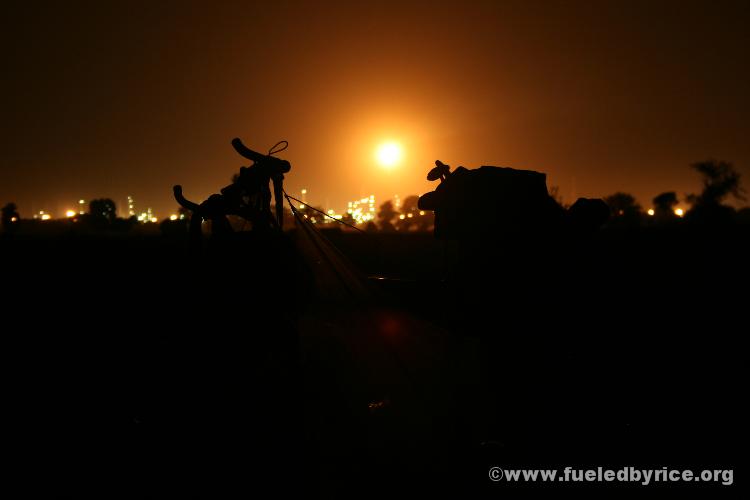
{"type": "Point", "coordinates": [130, 97]}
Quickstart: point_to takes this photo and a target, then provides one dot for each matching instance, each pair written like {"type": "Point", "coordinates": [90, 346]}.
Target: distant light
{"type": "Point", "coordinates": [46, 216]}
{"type": "Point", "coordinates": [154, 219]}
{"type": "Point", "coordinates": [421, 212]}
{"type": "Point", "coordinates": [402, 217]}
{"type": "Point", "coordinates": [410, 215]}
{"type": "Point", "coordinates": [71, 213]}
{"type": "Point", "coordinates": [651, 211]}
{"type": "Point", "coordinates": [81, 202]}
{"type": "Point", "coordinates": [173, 217]}
{"type": "Point", "coordinates": [388, 154]}
{"type": "Point", "coordinates": [304, 191]}
{"type": "Point", "coordinates": [679, 212]}
{"type": "Point", "coordinates": [14, 219]}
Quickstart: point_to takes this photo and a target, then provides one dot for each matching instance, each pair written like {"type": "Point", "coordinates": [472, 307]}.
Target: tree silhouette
{"type": "Point", "coordinates": [720, 180]}
{"type": "Point", "coordinates": [10, 217]}
{"type": "Point", "coordinates": [664, 206]}
{"type": "Point", "coordinates": [665, 202]}
{"type": "Point", "coordinates": [386, 213]}
{"type": "Point", "coordinates": [103, 209]}
{"type": "Point", "coordinates": [623, 208]}
{"type": "Point", "coordinates": [410, 213]}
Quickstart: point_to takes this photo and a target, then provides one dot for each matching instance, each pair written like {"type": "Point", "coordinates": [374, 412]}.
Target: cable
{"type": "Point", "coordinates": [273, 149]}
{"type": "Point", "coordinates": [321, 212]}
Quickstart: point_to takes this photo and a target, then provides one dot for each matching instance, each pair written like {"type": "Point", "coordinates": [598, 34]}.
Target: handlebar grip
{"type": "Point", "coordinates": [246, 152]}
{"type": "Point", "coordinates": [193, 207]}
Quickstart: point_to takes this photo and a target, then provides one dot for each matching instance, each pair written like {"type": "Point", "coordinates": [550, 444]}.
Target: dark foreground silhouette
{"type": "Point", "coordinates": [258, 361]}
{"type": "Point", "coordinates": [249, 197]}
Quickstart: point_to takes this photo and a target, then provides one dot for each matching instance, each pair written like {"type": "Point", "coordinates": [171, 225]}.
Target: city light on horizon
{"type": "Point", "coordinates": [362, 210]}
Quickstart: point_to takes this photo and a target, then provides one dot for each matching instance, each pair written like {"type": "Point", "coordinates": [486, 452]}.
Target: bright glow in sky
{"type": "Point", "coordinates": [388, 154]}
{"type": "Point", "coordinates": [600, 96]}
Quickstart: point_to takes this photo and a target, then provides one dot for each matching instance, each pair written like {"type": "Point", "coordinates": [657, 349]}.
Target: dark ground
{"type": "Point", "coordinates": [131, 364]}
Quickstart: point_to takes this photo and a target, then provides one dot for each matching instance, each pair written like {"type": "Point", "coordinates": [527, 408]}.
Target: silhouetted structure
{"type": "Point", "coordinates": [490, 201]}
{"type": "Point", "coordinates": [249, 196]}
{"type": "Point", "coordinates": [441, 171]}
{"type": "Point", "coordinates": [509, 245]}
{"type": "Point", "coordinates": [587, 215]}
{"type": "Point", "coordinates": [252, 185]}
{"type": "Point", "coordinates": [505, 204]}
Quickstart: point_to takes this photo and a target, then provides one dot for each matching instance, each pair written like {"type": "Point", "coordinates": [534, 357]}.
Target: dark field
{"type": "Point", "coordinates": [135, 366]}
